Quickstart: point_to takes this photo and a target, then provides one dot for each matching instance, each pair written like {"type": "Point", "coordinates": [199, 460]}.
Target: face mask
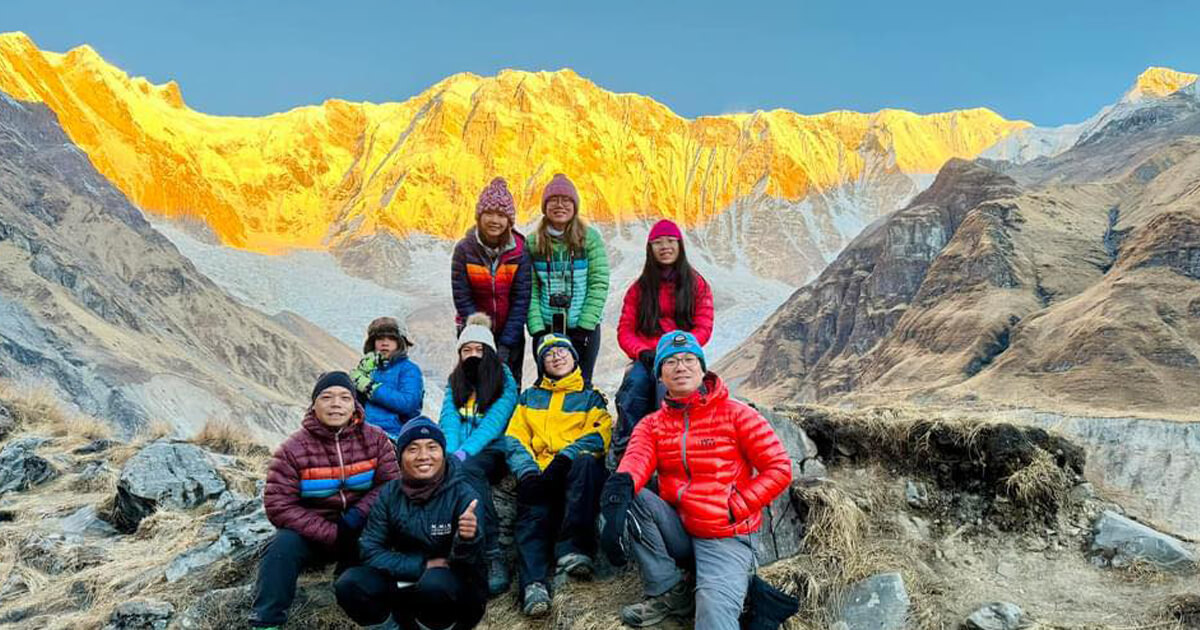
{"type": "Point", "coordinates": [471, 367]}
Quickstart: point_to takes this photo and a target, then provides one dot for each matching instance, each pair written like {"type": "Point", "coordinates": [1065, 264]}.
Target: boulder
{"type": "Point", "coordinates": [84, 523]}
{"type": "Point", "coordinates": [995, 616]}
{"type": "Point", "coordinates": [1119, 541]}
{"type": "Point", "coordinates": [21, 467]}
{"type": "Point", "coordinates": [164, 474]}
{"type": "Point", "coordinates": [879, 602]}
{"type": "Point", "coordinates": [141, 615]}
{"type": "Point", "coordinates": [239, 539]}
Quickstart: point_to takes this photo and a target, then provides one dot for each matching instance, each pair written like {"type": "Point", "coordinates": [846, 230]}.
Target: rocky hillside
{"type": "Point", "coordinates": [99, 305]}
{"type": "Point", "coordinates": [1069, 282]}
{"type": "Point", "coordinates": [894, 520]}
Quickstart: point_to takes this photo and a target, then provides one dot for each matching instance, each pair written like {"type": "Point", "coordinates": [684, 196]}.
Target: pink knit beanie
{"type": "Point", "coordinates": [665, 227]}
{"type": "Point", "coordinates": [496, 198]}
{"type": "Point", "coordinates": [560, 185]}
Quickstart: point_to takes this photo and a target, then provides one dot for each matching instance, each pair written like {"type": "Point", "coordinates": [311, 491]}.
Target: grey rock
{"type": "Point", "coordinates": [54, 554]}
{"type": "Point", "coordinates": [239, 539]}
{"type": "Point", "coordinates": [83, 523]}
{"type": "Point", "coordinates": [7, 423]}
{"type": "Point", "coordinates": [95, 446]}
{"type": "Point", "coordinates": [879, 602]}
{"type": "Point", "coordinates": [813, 469]}
{"type": "Point", "coordinates": [164, 474]}
{"type": "Point", "coordinates": [21, 467]}
{"type": "Point", "coordinates": [916, 494]}
{"type": "Point", "coordinates": [1118, 541]}
{"type": "Point", "coordinates": [996, 616]}
{"type": "Point", "coordinates": [141, 615]}
{"type": "Point", "coordinates": [1082, 492]}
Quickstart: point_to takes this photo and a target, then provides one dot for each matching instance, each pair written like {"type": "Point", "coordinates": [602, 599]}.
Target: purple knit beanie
{"type": "Point", "coordinates": [560, 185]}
{"type": "Point", "coordinates": [496, 198]}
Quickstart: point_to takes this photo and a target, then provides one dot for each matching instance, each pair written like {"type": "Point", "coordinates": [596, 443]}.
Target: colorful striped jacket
{"type": "Point", "coordinates": [583, 276]}
{"type": "Point", "coordinates": [497, 286]}
{"type": "Point", "coordinates": [555, 417]}
{"type": "Point", "coordinates": [318, 473]}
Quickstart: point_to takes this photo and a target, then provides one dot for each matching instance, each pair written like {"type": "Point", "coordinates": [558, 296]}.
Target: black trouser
{"type": "Point", "coordinates": [640, 393]}
{"type": "Point", "coordinates": [284, 557]}
{"type": "Point", "coordinates": [565, 523]}
{"type": "Point", "coordinates": [482, 471]}
{"type": "Point", "coordinates": [516, 358]}
{"type": "Point", "coordinates": [587, 346]}
{"type": "Point", "coordinates": [440, 598]}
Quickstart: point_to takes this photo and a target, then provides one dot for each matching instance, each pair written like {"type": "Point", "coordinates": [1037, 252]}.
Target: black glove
{"type": "Point", "coordinates": [556, 472]}
{"type": "Point", "coordinates": [347, 539]}
{"type": "Point", "coordinates": [531, 490]}
{"type": "Point", "coordinates": [614, 507]}
{"type": "Point", "coordinates": [503, 352]}
{"type": "Point", "coordinates": [647, 359]}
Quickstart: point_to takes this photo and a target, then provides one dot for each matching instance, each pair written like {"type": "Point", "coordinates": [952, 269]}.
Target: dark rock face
{"type": "Point", "coordinates": [21, 467]}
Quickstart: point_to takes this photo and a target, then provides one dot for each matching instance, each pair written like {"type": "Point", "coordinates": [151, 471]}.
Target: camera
{"type": "Point", "coordinates": [560, 300]}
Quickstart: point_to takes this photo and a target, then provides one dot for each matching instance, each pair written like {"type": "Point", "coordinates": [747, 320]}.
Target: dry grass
{"type": "Point", "coordinates": [222, 436]}
{"type": "Point", "coordinates": [155, 430]}
{"type": "Point", "coordinates": [1042, 484]}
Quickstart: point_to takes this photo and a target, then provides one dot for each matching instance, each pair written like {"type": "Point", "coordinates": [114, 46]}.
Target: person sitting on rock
{"type": "Point", "coordinates": [321, 484]}
{"type": "Point", "coordinates": [669, 295]}
{"type": "Point", "coordinates": [422, 552]}
{"type": "Point", "coordinates": [480, 398]}
{"type": "Point", "coordinates": [490, 273]}
{"type": "Point", "coordinates": [556, 443]}
{"type": "Point", "coordinates": [718, 463]}
{"type": "Point", "coordinates": [389, 384]}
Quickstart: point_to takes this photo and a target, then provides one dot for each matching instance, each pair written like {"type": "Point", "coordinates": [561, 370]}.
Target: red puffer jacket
{"type": "Point", "coordinates": [633, 342]}
{"type": "Point", "coordinates": [707, 451]}
{"type": "Point", "coordinates": [318, 473]}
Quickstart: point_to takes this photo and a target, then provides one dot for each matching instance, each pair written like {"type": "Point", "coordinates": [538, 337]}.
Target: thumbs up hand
{"type": "Point", "coordinates": [467, 523]}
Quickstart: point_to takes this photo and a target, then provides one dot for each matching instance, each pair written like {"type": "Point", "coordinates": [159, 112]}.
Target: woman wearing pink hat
{"type": "Point", "coordinates": [570, 275]}
{"type": "Point", "coordinates": [669, 295]}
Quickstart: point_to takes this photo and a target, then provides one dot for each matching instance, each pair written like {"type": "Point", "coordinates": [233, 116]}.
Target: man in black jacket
{"type": "Point", "coordinates": [422, 546]}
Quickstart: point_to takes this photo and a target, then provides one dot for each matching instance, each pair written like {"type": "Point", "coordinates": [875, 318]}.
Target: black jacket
{"type": "Point", "coordinates": [402, 534]}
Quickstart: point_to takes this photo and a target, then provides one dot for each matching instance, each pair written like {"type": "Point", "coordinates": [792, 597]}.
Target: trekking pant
{"type": "Point", "coordinates": [278, 569]}
{"type": "Point", "coordinates": [587, 346]}
{"type": "Point", "coordinates": [441, 598]}
{"type": "Point", "coordinates": [482, 471]}
{"type": "Point", "coordinates": [563, 524]}
{"type": "Point", "coordinates": [640, 394]}
{"type": "Point", "coordinates": [723, 566]}
{"type": "Point", "coordinates": [516, 359]}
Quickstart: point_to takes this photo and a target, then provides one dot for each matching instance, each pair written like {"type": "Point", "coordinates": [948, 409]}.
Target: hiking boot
{"type": "Point", "coordinates": [498, 576]}
{"type": "Point", "coordinates": [677, 602]}
{"type": "Point", "coordinates": [537, 600]}
{"type": "Point", "coordinates": [576, 565]}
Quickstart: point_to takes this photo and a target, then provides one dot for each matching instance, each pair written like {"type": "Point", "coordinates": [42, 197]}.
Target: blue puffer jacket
{"type": "Point", "coordinates": [471, 433]}
{"type": "Point", "coordinates": [398, 397]}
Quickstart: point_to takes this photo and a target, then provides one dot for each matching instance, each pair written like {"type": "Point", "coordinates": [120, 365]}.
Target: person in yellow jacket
{"type": "Point", "coordinates": [556, 442]}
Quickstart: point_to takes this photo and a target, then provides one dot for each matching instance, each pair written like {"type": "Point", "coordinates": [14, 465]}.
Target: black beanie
{"type": "Point", "coordinates": [332, 379]}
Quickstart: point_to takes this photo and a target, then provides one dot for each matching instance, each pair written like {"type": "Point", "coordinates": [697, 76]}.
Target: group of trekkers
{"type": "Point", "coordinates": [403, 504]}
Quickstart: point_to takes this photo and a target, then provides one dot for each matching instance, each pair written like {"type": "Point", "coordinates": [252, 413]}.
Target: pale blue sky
{"type": "Point", "coordinates": [1048, 62]}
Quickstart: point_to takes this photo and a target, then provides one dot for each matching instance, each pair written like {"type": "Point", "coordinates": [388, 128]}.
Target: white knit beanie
{"type": "Point", "coordinates": [477, 330]}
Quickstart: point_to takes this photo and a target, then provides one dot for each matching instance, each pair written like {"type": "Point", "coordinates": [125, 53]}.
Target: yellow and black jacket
{"type": "Point", "coordinates": [555, 417]}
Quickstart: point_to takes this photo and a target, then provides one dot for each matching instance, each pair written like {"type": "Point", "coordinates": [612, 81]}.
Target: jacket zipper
{"type": "Point", "coordinates": [683, 448]}
{"type": "Point", "coordinates": [337, 443]}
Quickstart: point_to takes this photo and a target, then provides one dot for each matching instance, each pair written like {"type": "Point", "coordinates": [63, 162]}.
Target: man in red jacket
{"type": "Point", "coordinates": [719, 463]}
{"type": "Point", "coordinates": [321, 484]}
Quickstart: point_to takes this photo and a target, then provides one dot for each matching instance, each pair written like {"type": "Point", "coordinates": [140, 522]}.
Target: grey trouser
{"type": "Point", "coordinates": [723, 565]}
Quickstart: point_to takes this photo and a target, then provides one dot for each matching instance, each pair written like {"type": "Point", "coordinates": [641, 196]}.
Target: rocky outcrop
{"type": "Point", "coordinates": [1120, 542]}
{"type": "Point", "coordinates": [164, 474]}
{"type": "Point", "coordinates": [879, 602]}
{"type": "Point", "coordinates": [21, 467]}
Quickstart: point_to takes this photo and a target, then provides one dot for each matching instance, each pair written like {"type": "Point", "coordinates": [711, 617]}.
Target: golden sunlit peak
{"type": "Point", "coordinates": [1159, 82]}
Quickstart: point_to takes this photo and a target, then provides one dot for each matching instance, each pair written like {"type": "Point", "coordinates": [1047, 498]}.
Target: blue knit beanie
{"type": "Point", "coordinates": [676, 342]}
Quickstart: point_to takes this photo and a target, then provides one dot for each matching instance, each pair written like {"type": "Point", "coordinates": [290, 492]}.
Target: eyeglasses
{"type": "Point", "coordinates": [559, 352]}
{"type": "Point", "coordinates": [688, 361]}
{"type": "Point", "coordinates": [559, 201]}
